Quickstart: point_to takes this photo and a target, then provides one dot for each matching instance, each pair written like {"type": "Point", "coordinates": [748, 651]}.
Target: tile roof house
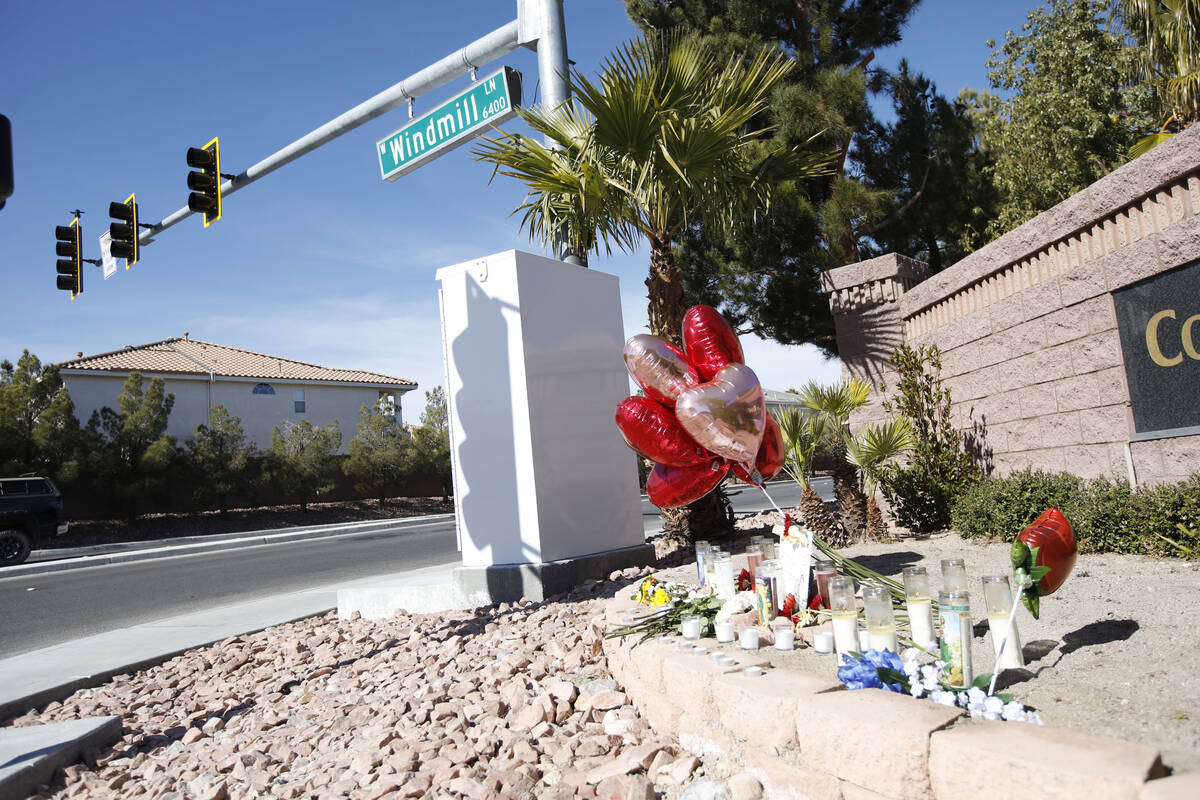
{"type": "Point", "coordinates": [264, 391]}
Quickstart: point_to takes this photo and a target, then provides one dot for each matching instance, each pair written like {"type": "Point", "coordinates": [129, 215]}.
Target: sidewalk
{"type": "Point", "coordinates": [38, 677]}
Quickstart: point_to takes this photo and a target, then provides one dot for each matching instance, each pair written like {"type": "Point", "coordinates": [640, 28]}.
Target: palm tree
{"type": "Point", "coordinates": [802, 435]}
{"type": "Point", "coordinates": [666, 136]}
{"type": "Point", "coordinates": [1168, 32]}
{"type": "Point", "coordinates": [869, 450]}
{"type": "Point", "coordinates": [833, 405]}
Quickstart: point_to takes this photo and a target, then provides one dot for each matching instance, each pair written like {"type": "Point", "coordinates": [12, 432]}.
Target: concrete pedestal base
{"type": "Point", "coordinates": [472, 587]}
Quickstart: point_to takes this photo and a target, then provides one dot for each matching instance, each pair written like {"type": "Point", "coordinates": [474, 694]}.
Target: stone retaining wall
{"type": "Point", "coordinates": [1027, 327]}
{"type": "Point", "coordinates": [807, 737]}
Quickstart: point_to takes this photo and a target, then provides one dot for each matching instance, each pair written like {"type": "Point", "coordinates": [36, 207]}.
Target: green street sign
{"type": "Point", "coordinates": [487, 102]}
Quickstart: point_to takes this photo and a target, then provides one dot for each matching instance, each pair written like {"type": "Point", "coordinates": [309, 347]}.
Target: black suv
{"type": "Point", "coordinates": [30, 507]}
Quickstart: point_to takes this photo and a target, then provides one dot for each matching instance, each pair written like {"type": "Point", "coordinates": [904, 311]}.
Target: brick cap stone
{"type": "Point", "coordinates": [1176, 787]}
{"type": "Point", "coordinates": [891, 265]}
{"type": "Point", "coordinates": [1039, 761]}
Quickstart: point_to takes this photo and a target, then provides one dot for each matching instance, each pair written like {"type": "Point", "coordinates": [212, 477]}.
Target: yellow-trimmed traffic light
{"type": "Point", "coordinates": [205, 181]}
{"type": "Point", "coordinates": [124, 231]}
{"type": "Point", "coordinates": [70, 251]}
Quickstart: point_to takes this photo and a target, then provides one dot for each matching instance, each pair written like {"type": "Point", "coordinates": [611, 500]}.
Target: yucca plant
{"type": "Point", "coordinates": [833, 405]}
{"type": "Point", "coordinates": [869, 450]}
{"type": "Point", "coordinates": [802, 435]}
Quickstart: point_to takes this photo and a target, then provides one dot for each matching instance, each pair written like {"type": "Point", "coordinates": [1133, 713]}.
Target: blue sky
{"type": "Point", "coordinates": [321, 261]}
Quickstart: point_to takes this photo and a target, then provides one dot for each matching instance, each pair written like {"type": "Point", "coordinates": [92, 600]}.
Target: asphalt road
{"type": "Point", "coordinates": [42, 610]}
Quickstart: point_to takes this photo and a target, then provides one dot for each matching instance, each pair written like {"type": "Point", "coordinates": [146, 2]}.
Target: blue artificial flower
{"type": "Point", "coordinates": [863, 672]}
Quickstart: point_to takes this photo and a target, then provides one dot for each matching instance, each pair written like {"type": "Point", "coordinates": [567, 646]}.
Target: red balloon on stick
{"type": "Point", "coordinates": [1051, 532]}
{"type": "Point", "coordinates": [670, 487]}
{"type": "Point", "coordinates": [771, 456]}
{"type": "Point", "coordinates": [710, 343]}
{"type": "Point", "coordinates": [655, 432]}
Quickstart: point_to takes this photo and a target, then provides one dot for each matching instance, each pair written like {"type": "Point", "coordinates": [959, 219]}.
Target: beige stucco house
{"type": "Point", "coordinates": [264, 391]}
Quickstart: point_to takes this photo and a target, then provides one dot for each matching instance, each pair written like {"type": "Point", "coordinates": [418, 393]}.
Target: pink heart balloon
{"type": "Point", "coordinates": [728, 415]}
{"type": "Point", "coordinates": [659, 367]}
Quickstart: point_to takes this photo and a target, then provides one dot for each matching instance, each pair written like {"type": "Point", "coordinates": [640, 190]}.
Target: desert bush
{"type": "Point", "coordinates": [1002, 507]}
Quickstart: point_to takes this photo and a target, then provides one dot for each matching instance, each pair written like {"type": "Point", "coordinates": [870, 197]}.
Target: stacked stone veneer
{"type": "Point", "coordinates": [1026, 325]}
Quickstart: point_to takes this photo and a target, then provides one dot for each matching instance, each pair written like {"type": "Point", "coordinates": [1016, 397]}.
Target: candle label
{"type": "Point", "coordinates": [764, 600]}
{"type": "Point", "coordinates": [955, 622]}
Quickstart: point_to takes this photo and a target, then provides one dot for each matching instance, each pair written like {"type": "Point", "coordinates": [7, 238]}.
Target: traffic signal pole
{"type": "Point", "coordinates": [538, 21]}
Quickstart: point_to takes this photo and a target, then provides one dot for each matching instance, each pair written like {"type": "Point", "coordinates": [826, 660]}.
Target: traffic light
{"type": "Point", "coordinates": [70, 264]}
{"type": "Point", "coordinates": [124, 231]}
{"type": "Point", "coordinates": [205, 181]}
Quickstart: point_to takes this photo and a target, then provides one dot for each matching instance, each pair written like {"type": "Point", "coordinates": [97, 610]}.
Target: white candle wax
{"type": "Point", "coordinates": [823, 641]}
{"type": "Point", "coordinates": [724, 631]}
{"type": "Point", "coordinates": [748, 638]}
{"type": "Point", "coordinates": [864, 641]}
{"type": "Point", "coordinates": [920, 620]}
{"type": "Point", "coordinates": [1013, 657]}
{"type": "Point", "coordinates": [785, 638]}
{"type": "Point", "coordinates": [691, 628]}
{"type": "Point", "coordinates": [883, 640]}
{"type": "Point", "coordinates": [845, 633]}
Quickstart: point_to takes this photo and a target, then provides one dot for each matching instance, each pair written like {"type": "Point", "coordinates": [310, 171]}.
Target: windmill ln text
{"type": "Point", "coordinates": [488, 102]}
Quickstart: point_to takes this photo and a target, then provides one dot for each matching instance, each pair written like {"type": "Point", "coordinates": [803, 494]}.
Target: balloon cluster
{"type": "Point", "coordinates": [703, 413]}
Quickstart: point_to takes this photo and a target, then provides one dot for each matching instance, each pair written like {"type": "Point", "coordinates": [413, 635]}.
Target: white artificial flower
{"type": "Point", "coordinates": [945, 698]}
{"type": "Point", "coordinates": [929, 677]}
{"type": "Point", "coordinates": [1013, 712]}
{"type": "Point", "coordinates": [992, 715]}
{"type": "Point", "coordinates": [976, 696]}
{"type": "Point", "coordinates": [740, 602]}
{"type": "Point", "coordinates": [993, 705]}
{"type": "Point", "coordinates": [910, 654]}
{"type": "Point", "coordinates": [1033, 717]}
{"type": "Point", "coordinates": [916, 689]}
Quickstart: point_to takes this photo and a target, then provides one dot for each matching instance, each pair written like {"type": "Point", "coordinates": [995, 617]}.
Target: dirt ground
{"type": "Point", "coordinates": [1116, 651]}
{"type": "Point", "coordinates": [168, 526]}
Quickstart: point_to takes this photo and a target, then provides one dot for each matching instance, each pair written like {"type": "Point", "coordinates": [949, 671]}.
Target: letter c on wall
{"type": "Point", "coordinates": [1189, 344]}
{"type": "Point", "coordinates": [1156, 353]}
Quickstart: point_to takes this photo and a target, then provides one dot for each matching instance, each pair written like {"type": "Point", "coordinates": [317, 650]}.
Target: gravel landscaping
{"type": "Point", "coordinates": [517, 701]}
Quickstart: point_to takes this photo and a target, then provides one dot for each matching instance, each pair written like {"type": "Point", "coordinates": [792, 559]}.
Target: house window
{"type": "Point", "coordinates": [263, 388]}
{"type": "Point", "coordinates": [298, 398]}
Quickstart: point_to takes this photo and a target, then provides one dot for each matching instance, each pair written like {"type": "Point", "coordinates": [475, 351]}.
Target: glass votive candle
{"type": "Point", "coordinates": [702, 548]}
{"type": "Point", "coordinates": [954, 575]}
{"type": "Point", "coordinates": [999, 599]}
{"type": "Point", "coordinates": [881, 622]}
{"type": "Point", "coordinates": [723, 574]}
{"type": "Point", "coordinates": [724, 630]}
{"type": "Point", "coordinates": [823, 641]}
{"type": "Point", "coordinates": [954, 608]}
{"type": "Point", "coordinates": [919, 601]}
{"type": "Point", "coordinates": [754, 557]}
{"type": "Point", "coordinates": [844, 612]}
{"type": "Point", "coordinates": [823, 570]}
{"type": "Point", "coordinates": [785, 634]}
{"type": "Point", "coordinates": [690, 626]}
{"type": "Point", "coordinates": [748, 638]}
{"type": "Point", "coordinates": [764, 584]}
{"type": "Point", "coordinates": [767, 543]}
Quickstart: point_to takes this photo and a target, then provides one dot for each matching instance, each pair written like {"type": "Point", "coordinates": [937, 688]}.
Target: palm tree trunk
{"type": "Point", "coordinates": [876, 529]}
{"type": "Point", "coordinates": [668, 301]}
{"type": "Point", "coordinates": [708, 517]}
{"type": "Point", "coordinates": [852, 503]}
{"type": "Point", "coordinates": [820, 521]}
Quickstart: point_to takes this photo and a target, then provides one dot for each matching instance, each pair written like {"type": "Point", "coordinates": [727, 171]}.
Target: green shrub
{"type": "Point", "coordinates": [1107, 515]}
{"type": "Point", "coordinates": [923, 490]}
{"type": "Point", "coordinates": [1002, 507]}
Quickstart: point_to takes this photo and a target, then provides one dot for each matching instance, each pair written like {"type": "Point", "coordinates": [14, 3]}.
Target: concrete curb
{"type": "Point", "coordinates": [804, 736]}
{"type": "Point", "coordinates": [171, 548]}
{"type": "Point", "coordinates": [29, 756]}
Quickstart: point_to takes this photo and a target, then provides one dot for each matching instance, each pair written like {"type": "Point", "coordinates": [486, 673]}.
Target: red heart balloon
{"type": "Point", "coordinates": [710, 343]}
{"type": "Point", "coordinates": [770, 456]}
{"type": "Point", "coordinates": [653, 430]}
{"type": "Point", "coordinates": [1051, 532]}
{"type": "Point", "coordinates": [669, 487]}
{"type": "Point", "coordinates": [727, 415]}
{"type": "Point", "coordinates": [659, 367]}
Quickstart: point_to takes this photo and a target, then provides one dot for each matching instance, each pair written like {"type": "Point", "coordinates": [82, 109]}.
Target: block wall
{"type": "Point", "coordinates": [1026, 325]}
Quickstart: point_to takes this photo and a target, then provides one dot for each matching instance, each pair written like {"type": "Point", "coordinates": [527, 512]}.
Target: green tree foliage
{"type": "Point", "coordinates": [303, 459]}
{"type": "Point", "coordinates": [130, 449]}
{"type": "Point", "coordinates": [938, 471]}
{"type": "Point", "coordinates": [1167, 37]}
{"type": "Point", "coordinates": [431, 441]}
{"type": "Point", "coordinates": [763, 273]}
{"type": "Point", "coordinates": [38, 429]}
{"type": "Point", "coordinates": [940, 198]}
{"type": "Point", "coordinates": [1072, 114]}
{"type": "Point", "coordinates": [381, 455]}
{"type": "Point", "coordinates": [220, 456]}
